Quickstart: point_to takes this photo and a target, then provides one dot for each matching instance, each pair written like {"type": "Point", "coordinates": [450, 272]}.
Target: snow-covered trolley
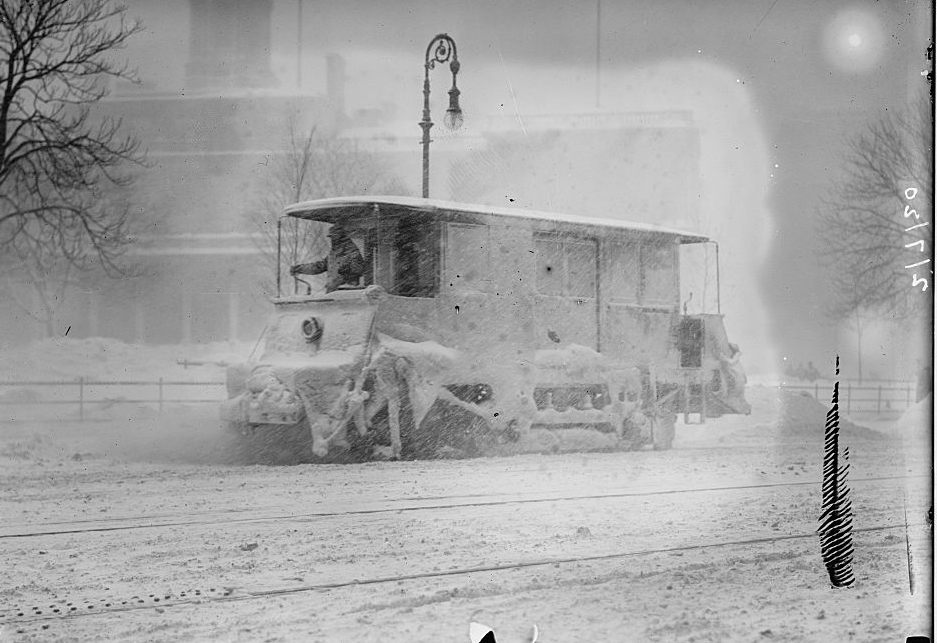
{"type": "Point", "coordinates": [474, 329]}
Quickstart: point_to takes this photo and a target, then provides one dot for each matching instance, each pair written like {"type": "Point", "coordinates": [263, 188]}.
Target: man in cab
{"type": "Point", "coordinates": [344, 263]}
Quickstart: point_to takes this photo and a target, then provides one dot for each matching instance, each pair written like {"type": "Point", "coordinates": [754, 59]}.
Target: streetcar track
{"type": "Point", "coordinates": [200, 519]}
{"type": "Point", "coordinates": [320, 587]}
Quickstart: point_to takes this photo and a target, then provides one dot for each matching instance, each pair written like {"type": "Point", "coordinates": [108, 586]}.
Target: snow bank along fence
{"type": "Point", "coordinates": [883, 398]}
{"type": "Point", "coordinates": [889, 398]}
{"type": "Point", "coordinates": [88, 394]}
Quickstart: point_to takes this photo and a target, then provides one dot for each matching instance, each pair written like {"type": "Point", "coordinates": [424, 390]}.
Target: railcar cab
{"type": "Point", "coordinates": [564, 279]}
{"type": "Point", "coordinates": [400, 247]}
{"type": "Point", "coordinates": [503, 283]}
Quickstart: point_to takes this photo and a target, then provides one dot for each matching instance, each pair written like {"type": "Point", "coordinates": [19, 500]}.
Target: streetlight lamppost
{"type": "Point", "coordinates": [441, 49]}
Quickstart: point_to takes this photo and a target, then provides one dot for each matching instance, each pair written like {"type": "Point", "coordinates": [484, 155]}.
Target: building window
{"type": "Point", "coordinates": [565, 266]}
{"type": "Point", "coordinates": [467, 257]}
{"type": "Point", "coordinates": [229, 43]}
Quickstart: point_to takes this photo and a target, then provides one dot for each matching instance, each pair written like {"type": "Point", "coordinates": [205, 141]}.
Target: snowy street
{"type": "Point", "coordinates": [137, 528]}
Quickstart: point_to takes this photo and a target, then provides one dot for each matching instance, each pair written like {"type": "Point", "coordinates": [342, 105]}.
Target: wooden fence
{"type": "Point", "coordinates": [880, 399]}
{"type": "Point", "coordinates": [886, 398]}
{"type": "Point", "coordinates": [87, 394]}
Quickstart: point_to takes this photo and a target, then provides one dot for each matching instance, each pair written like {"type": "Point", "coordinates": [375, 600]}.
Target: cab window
{"type": "Point", "coordinates": [624, 277]}
{"type": "Point", "coordinates": [580, 267]}
{"type": "Point", "coordinates": [566, 266]}
{"type": "Point", "coordinates": [641, 273]}
{"type": "Point", "coordinates": [416, 252]}
{"type": "Point", "coordinates": [659, 263]}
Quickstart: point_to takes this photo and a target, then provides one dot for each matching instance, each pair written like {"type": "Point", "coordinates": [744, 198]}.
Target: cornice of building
{"type": "Point", "coordinates": [210, 94]}
{"type": "Point", "coordinates": [404, 134]}
{"type": "Point", "coordinates": [593, 120]}
{"type": "Point", "coordinates": [196, 243]}
{"type": "Point", "coordinates": [482, 125]}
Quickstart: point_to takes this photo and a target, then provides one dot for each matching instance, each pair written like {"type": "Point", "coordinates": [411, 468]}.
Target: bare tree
{"type": "Point", "coordinates": [877, 220]}
{"type": "Point", "coordinates": [40, 282]}
{"type": "Point", "coordinates": [312, 166]}
{"type": "Point", "coordinates": [39, 277]}
{"type": "Point", "coordinates": [57, 161]}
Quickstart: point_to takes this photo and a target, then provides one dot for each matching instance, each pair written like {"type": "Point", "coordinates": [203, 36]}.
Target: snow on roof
{"type": "Point", "coordinates": [326, 209]}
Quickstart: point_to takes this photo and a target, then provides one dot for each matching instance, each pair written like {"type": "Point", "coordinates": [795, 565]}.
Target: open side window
{"type": "Point", "coordinates": [310, 247]}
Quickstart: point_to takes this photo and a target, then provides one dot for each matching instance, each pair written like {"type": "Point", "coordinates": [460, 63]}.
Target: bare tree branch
{"type": "Point", "coordinates": [57, 162]}
{"type": "Point", "coordinates": [313, 166]}
{"type": "Point", "coordinates": [863, 227]}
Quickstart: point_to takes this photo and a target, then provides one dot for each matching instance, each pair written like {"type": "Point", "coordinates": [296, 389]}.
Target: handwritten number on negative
{"type": "Point", "coordinates": [909, 194]}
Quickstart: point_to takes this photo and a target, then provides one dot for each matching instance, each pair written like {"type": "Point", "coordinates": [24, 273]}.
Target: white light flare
{"type": "Point", "coordinates": [854, 41]}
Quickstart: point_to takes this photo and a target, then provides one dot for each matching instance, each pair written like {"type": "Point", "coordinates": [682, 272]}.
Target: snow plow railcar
{"type": "Point", "coordinates": [483, 330]}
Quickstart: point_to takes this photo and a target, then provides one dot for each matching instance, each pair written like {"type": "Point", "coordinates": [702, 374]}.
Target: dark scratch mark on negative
{"type": "Point", "coordinates": [762, 18]}
{"type": "Point", "coordinates": [907, 541]}
{"type": "Point", "coordinates": [836, 517]}
{"type": "Point", "coordinates": [66, 330]}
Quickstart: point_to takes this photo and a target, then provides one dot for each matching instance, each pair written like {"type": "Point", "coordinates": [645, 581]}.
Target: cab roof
{"type": "Point", "coordinates": [339, 208]}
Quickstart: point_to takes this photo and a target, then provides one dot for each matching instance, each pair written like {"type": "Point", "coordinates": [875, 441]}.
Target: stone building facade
{"type": "Point", "coordinates": [213, 116]}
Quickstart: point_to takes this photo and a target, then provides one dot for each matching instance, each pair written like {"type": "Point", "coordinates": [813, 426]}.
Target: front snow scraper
{"type": "Point", "coordinates": [441, 328]}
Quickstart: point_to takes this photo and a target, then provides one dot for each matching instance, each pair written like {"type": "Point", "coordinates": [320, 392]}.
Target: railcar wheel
{"type": "Point", "coordinates": [450, 432]}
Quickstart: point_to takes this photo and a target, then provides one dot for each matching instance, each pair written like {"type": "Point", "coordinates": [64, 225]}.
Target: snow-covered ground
{"type": "Point", "coordinates": [713, 540]}
{"type": "Point", "coordinates": [98, 358]}
{"type": "Point", "coordinates": [46, 379]}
